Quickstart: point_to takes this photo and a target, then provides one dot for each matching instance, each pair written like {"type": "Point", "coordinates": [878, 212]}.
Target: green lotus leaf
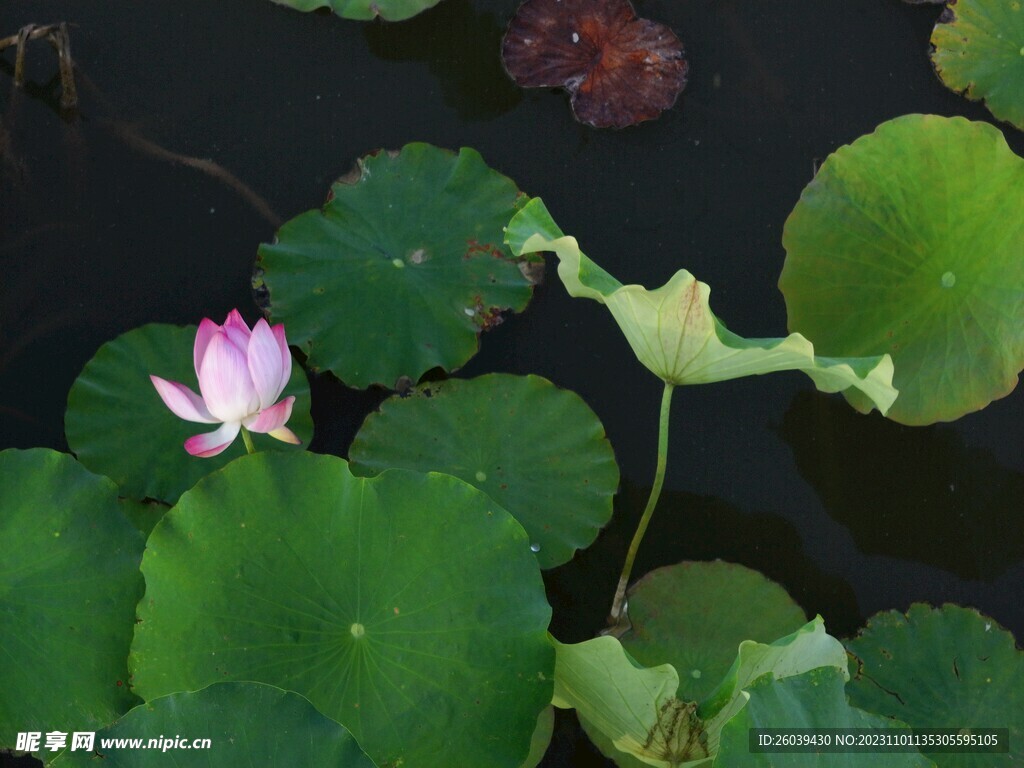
{"type": "Point", "coordinates": [117, 425]}
{"type": "Point", "coordinates": [978, 50]}
{"type": "Point", "coordinates": [144, 515]}
{"type": "Point", "coordinates": [401, 270]}
{"type": "Point", "coordinates": [814, 699]}
{"type": "Point", "coordinates": [635, 713]}
{"type": "Point", "coordinates": [407, 607]}
{"type": "Point", "coordinates": [537, 450]}
{"type": "Point", "coordinates": [946, 667]}
{"type": "Point", "coordinates": [675, 335]}
{"type": "Point", "coordinates": [808, 648]}
{"type": "Point", "coordinates": [541, 737]}
{"type": "Point", "coordinates": [69, 582]}
{"type": "Point", "coordinates": [365, 10]}
{"type": "Point", "coordinates": [246, 724]}
{"type": "Point", "coordinates": [633, 707]}
{"type": "Point", "coordinates": [910, 241]}
{"type": "Point", "coordinates": [694, 616]}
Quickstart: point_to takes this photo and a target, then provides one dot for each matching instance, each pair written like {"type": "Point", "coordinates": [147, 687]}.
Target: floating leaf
{"type": "Point", "coordinates": [909, 242]}
{"type": "Point", "coordinates": [407, 607]}
{"type": "Point", "coordinates": [618, 69]}
{"type": "Point", "coordinates": [117, 425]}
{"type": "Point", "coordinates": [675, 335]}
{"type": "Point", "coordinates": [978, 50]}
{"type": "Point", "coordinates": [946, 667]}
{"type": "Point", "coordinates": [813, 700]}
{"type": "Point", "coordinates": [69, 582]}
{"type": "Point", "coordinates": [246, 724]}
{"type": "Point", "coordinates": [537, 450]}
{"type": "Point", "coordinates": [401, 270]}
{"type": "Point", "coordinates": [695, 615]}
{"type": "Point", "coordinates": [365, 10]}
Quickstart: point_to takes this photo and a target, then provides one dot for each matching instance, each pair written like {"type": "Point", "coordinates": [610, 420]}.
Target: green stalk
{"type": "Point", "coordinates": [617, 618]}
{"type": "Point", "coordinates": [247, 438]}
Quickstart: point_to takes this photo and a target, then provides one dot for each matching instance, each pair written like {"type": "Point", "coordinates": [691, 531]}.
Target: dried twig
{"type": "Point", "coordinates": [57, 35]}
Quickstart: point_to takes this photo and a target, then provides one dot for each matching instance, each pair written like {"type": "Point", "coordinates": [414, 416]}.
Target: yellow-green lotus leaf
{"type": "Point", "coordinates": [674, 333]}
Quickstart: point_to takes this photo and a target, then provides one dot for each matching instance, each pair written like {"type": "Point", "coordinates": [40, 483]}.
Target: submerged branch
{"type": "Point", "coordinates": [130, 136]}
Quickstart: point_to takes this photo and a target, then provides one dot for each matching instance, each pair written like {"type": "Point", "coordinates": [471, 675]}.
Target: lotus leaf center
{"type": "Point", "coordinates": [358, 630]}
{"type": "Point", "coordinates": [948, 280]}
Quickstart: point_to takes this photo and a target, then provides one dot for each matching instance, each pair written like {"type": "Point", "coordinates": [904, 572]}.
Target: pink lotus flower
{"type": "Point", "coordinates": [241, 373]}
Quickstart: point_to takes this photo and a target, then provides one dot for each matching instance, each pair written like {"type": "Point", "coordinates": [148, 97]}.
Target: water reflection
{"type": "Point", "coordinates": [909, 492]}
{"type": "Point", "coordinates": [691, 527]}
{"type": "Point", "coordinates": [461, 48]}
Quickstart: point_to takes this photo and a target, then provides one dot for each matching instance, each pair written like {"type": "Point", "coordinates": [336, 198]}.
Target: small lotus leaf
{"type": "Point", "coordinates": [675, 335]}
{"type": "Point", "coordinates": [695, 615]}
{"type": "Point", "coordinates": [618, 69]}
{"type": "Point", "coordinates": [118, 426]}
{"type": "Point", "coordinates": [813, 700]}
{"type": "Point", "coordinates": [978, 50]}
{"type": "Point", "coordinates": [365, 10]}
{"type": "Point", "coordinates": [910, 242]}
{"type": "Point", "coordinates": [69, 582]}
{"type": "Point", "coordinates": [401, 270]}
{"type": "Point", "coordinates": [408, 607]}
{"type": "Point", "coordinates": [247, 724]}
{"type": "Point", "coordinates": [537, 450]}
{"type": "Point", "coordinates": [946, 667]}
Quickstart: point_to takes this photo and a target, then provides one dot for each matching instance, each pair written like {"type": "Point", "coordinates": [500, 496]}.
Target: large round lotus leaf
{"type": "Point", "coordinates": [247, 724]}
{"type": "Point", "coordinates": [364, 10]}
{"type": "Point", "coordinates": [695, 615]}
{"type": "Point", "coordinates": [978, 49]}
{"type": "Point", "coordinates": [813, 700]}
{"type": "Point", "coordinates": [69, 582]}
{"type": "Point", "coordinates": [118, 426]}
{"type": "Point", "coordinates": [401, 270]}
{"type": "Point", "coordinates": [537, 450]}
{"type": "Point", "coordinates": [911, 241]}
{"type": "Point", "coordinates": [407, 607]}
{"type": "Point", "coordinates": [946, 667]}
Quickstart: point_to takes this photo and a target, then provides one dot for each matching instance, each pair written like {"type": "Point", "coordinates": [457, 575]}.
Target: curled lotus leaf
{"type": "Point", "coordinates": [674, 333]}
{"type": "Point", "coordinates": [978, 50]}
{"type": "Point", "coordinates": [637, 715]}
{"type": "Point", "coordinates": [618, 69]}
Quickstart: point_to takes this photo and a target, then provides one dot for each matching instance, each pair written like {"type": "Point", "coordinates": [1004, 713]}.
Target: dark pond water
{"type": "Point", "coordinates": [851, 514]}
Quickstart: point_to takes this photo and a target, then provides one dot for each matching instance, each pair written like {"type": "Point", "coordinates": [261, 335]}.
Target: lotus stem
{"type": "Point", "coordinates": [247, 439]}
{"type": "Point", "coordinates": [617, 618]}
